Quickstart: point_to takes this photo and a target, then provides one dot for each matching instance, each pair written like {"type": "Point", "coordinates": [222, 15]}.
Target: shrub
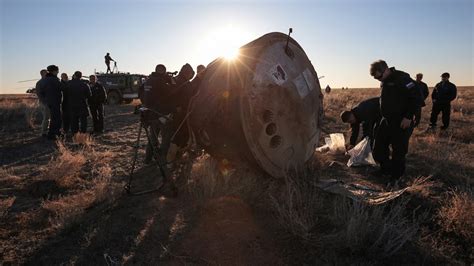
{"type": "Point", "coordinates": [373, 231]}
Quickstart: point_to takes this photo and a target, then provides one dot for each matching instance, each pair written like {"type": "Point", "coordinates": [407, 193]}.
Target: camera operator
{"type": "Point", "coordinates": [179, 98]}
{"type": "Point", "coordinates": [154, 98]}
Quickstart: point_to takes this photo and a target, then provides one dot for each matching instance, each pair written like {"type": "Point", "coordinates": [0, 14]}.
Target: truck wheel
{"type": "Point", "coordinates": [127, 101]}
{"type": "Point", "coordinates": [113, 98]}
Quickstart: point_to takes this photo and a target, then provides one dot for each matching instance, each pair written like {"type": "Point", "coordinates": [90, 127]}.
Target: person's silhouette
{"type": "Point", "coordinates": [107, 62]}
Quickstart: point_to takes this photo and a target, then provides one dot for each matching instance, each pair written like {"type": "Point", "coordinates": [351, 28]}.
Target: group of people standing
{"type": "Point", "coordinates": [388, 121]}
{"type": "Point", "coordinates": [65, 104]}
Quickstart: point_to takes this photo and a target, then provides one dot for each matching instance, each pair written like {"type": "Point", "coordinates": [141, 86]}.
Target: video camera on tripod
{"type": "Point", "coordinates": [147, 115]}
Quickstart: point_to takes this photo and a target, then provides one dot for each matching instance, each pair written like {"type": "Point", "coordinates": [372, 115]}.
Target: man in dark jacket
{"type": "Point", "coordinates": [443, 93]}
{"type": "Point", "coordinates": [399, 100]}
{"type": "Point", "coordinates": [96, 104]}
{"type": "Point", "coordinates": [51, 92]}
{"type": "Point", "coordinates": [424, 94]}
{"type": "Point", "coordinates": [181, 94]}
{"type": "Point", "coordinates": [42, 104]}
{"type": "Point", "coordinates": [66, 116]}
{"type": "Point", "coordinates": [366, 113]}
{"type": "Point", "coordinates": [155, 97]}
{"type": "Point", "coordinates": [196, 82]}
{"type": "Point", "coordinates": [79, 93]}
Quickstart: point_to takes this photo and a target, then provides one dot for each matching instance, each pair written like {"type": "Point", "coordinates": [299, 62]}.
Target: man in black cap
{"type": "Point", "coordinates": [50, 88]}
{"type": "Point", "coordinates": [42, 104]}
{"type": "Point", "coordinates": [66, 116]}
{"type": "Point", "coordinates": [79, 93]}
{"type": "Point", "coordinates": [424, 93]}
{"type": "Point", "coordinates": [96, 104]}
{"type": "Point", "coordinates": [443, 93]}
{"type": "Point", "coordinates": [107, 62]}
{"type": "Point", "coordinates": [366, 113]}
{"type": "Point", "coordinates": [399, 100]}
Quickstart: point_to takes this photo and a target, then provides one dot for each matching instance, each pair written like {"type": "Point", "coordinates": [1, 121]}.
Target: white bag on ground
{"type": "Point", "coordinates": [337, 143]}
{"type": "Point", "coordinates": [361, 154]}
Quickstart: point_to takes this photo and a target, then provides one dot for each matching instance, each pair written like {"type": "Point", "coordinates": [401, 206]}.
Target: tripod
{"type": "Point", "coordinates": [156, 155]}
{"type": "Point", "coordinates": [115, 69]}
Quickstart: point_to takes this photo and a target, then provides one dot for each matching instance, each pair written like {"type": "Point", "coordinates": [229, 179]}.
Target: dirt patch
{"type": "Point", "coordinates": [227, 234]}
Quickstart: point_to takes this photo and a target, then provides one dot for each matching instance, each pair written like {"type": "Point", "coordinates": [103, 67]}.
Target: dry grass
{"type": "Point", "coordinates": [375, 232]}
{"type": "Point", "coordinates": [64, 210]}
{"type": "Point", "coordinates": [211, 178]}
{"type": "Point", "coordinates": [298, 206]}
{"type": "Point", "coordinates": [5, 204]}
{"type": "Point", "coordinates": [7, 177]}
{"type": "Point", "coordinates": [83, 139]}
{"type": "Point", "coordinates": [423, 186]}
{"type": "Point", "coordinates": [19, 113]}
{"type": "Point", "coordinates": [350, 231]}
{"type": "Point", "coordinates": [67, 171]}
{"type": "Point", "coordinates": [85, 173]}
{"type": "Point", "coordinates": [65, 168]}
{"type": "Point", "coordinates": [456, 214]}
{"type": "Point", "coordinates": [452, 241]}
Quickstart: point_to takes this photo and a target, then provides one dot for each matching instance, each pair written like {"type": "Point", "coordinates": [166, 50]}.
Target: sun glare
{"type": "Point", "coordinates": [231, 54]}
{"type": "Point", "coordinates": [223, 42]}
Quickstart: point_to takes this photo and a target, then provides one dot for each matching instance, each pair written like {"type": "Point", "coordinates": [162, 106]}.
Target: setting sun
{"type": "Point", "coordinates": [231, 54]}
{"type": "Point", "coordinates": [223, 42]}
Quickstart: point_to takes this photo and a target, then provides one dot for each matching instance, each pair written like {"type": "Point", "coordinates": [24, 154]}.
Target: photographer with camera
{"type": "Point", "coordinates": [179, 98]}
{"type": "Point", "coordinates": [154, 97]}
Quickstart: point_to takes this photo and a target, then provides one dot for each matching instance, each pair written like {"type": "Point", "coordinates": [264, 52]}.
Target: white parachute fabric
{"type": "Point", "coordinates": [361, 154]}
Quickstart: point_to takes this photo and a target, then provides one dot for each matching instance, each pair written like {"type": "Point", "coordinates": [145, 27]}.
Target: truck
{"type": "Point", "coordinates": [121, 86]}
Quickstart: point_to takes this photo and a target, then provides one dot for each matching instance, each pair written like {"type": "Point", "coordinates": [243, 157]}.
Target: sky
{"type": "Point", "coordinates": [340, 37]}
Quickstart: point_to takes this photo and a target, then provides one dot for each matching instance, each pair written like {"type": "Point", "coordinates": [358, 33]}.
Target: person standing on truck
{"type": "Point", "coordinates": [96, 104]}
{"type": "Point", "coordinates": [66, 116]}
{"type": "Point", "coordinates": [443, 94]}
{"type": "Point", "coordinates": [42, 104]}
{"type": "Point", "coordinates": [79, 93]}
{"type": "Point", "coordinates": [107, 62]}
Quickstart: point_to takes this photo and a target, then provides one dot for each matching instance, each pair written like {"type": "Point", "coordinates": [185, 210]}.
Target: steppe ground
{"type": "Point", "coordinates": [63, 202]}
